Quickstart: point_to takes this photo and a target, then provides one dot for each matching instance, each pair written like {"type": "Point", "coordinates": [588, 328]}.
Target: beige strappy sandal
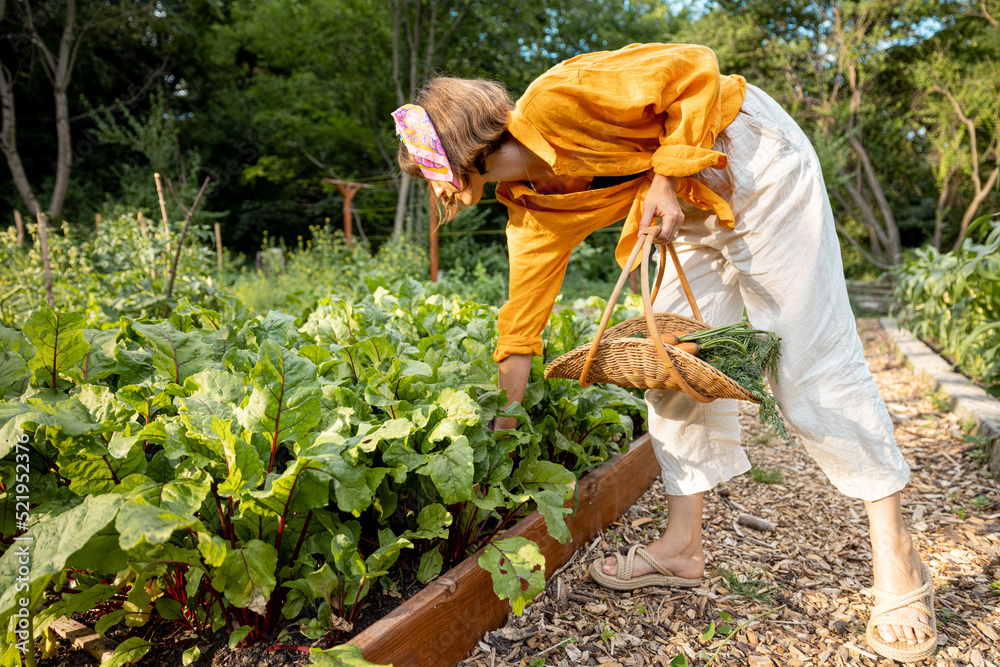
{"type": "Point", "coordinates": [623, 580]}
{"type": "Point", "coordinates": [921, 599]}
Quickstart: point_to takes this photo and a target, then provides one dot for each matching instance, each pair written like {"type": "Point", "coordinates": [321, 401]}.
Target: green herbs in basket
{"type": "Point", "coordinates": [744, 354]}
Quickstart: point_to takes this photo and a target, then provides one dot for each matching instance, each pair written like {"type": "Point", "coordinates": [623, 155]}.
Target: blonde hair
{"type": "Point", "coordinates": [470, 117]}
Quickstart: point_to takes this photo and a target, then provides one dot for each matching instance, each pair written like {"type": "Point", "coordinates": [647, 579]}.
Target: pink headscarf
{"type": "Point", "coordinates": [417, 133]}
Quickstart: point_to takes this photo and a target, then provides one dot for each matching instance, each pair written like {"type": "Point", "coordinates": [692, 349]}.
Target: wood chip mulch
{"type": "Point", "coordinates": [797, 592]}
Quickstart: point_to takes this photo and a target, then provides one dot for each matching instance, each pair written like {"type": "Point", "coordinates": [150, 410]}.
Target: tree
{"type": "Point", "coordinates": [827, 63]}
{"type": "Point", "coordinates": [961, 76]}
{"type": "Point", "coordinates": [514, 42]}
{"type": "Point", "coordinates": [36, 30]}
{"type": "Point", "coordinates": [310, 86]}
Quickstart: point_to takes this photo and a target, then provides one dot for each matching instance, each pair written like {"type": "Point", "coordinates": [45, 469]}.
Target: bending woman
{"type": "Point", "coordinates": [654, 131]}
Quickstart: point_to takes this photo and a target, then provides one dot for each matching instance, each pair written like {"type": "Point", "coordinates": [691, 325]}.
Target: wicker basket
{"type": "Point", "coordinates": [616, 357]}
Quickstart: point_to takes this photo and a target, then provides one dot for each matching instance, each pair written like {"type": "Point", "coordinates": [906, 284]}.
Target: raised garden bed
{"type": "Point", "coordinates": [442, 623]}
{"type": "Point", "coordinates": [310, 453]}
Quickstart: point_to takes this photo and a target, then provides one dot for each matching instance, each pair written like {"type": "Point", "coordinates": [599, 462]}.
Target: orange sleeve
{"type": "Point", "coordinates": [537, 265]}
{"type": "Point", "coordinates": [679, 81]}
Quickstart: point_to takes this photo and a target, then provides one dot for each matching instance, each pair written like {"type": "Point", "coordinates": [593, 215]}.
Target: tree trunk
{"type": "Point", "coordinates": [59, 69]}
{"type": "Point", "coordinates": [431, 30]}
{"type": "Point", "coordinates": [8, 142]}
{"type": "Point", "coordinates": [970, 212]}
{"type": "Point", "coordinates": [890, 232]}
{"type": "Point", "coordinates": [404, 180]}
{"type": "Point", "coordinates": [981, 190]}
{"type": "Point", "coordinates": [64, 153]}
{"type": "Point", "coordinates": [886, 229]}
{"type": "Point", "coordinates": [944, 202]}
{"type": "Point", "coordinates": [61, 80]}
{"type": "Point", "coordinates": [8, 135]}
{"type": "Point", "coordinates": [877, 216]}
{"type": "Point", "coordinates": [401, 200]}
{"type": "Point", "coordinates": [875, 254]}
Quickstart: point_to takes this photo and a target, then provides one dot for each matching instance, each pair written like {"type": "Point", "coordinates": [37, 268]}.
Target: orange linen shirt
{"type": "Point", "coordinates": [654, 108]}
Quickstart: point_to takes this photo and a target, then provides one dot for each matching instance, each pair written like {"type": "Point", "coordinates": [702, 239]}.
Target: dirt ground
{"type": "Point", "coordinates": [795, 595]}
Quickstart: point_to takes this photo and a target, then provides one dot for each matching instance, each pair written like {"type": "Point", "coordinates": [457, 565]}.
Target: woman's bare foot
{"type": "Point", "coordinates": [895, 565]}
{"type": "Point", "coordinates": [681, 557]}
{"type": "Point", "coordinates": [897, 570]}
{"type": "Point", "coordinates": [679, 550]}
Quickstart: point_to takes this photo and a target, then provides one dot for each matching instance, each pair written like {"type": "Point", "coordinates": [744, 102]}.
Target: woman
{"type": "Point", "coordinates": [654, 131]}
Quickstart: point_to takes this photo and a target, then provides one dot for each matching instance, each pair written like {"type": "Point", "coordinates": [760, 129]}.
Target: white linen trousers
{"type": "Point", "coordinates": [782, 262]}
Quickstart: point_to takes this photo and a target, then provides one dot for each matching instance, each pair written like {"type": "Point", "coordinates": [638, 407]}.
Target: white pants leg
{"type": "Point", "coordinates": [782, 262]}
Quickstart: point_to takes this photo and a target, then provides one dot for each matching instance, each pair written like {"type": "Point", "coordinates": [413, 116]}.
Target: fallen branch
{"type": "Point", "coordinates": [860, 651]}
{"type": "Point", "coordinates": [751, 521]}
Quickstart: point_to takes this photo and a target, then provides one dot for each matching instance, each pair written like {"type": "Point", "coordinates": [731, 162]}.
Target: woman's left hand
{"type": "Point", "coordinates": [661, 202]}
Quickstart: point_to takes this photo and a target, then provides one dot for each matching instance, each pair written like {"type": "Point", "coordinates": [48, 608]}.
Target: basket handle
{"type": "Point", "coordinates": [654, 333]}
{"type": "Point", "coordinates": [644, 246]}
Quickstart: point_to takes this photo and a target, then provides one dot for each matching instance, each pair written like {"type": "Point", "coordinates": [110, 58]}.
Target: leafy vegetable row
{"type": "Point", "coordinates": [222, 470]}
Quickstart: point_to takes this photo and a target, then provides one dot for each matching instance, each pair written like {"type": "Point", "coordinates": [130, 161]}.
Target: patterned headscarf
{"type": "Point", "coordinates": [417, 133]}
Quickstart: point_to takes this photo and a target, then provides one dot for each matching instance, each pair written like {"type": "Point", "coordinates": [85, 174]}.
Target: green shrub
{"type": "Point", "coordinates": [953, 300]}
{"type": "Point", "coordinates": [325, 265]}
{"type": "Point", "coordinates": [119, 271]}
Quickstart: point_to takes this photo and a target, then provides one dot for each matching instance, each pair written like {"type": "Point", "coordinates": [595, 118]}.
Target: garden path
{"type": "Point", "coordinates": [804, 583]}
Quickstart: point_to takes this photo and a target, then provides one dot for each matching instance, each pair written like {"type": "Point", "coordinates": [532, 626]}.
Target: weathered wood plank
{"type": "Point", "coordinates": [81, 636]}
{"type": "Point", "coordinates": [438, 626]}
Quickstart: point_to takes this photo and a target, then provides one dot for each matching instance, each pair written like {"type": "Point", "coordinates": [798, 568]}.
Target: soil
{"type": "Point", "coordinates": [214, 652]}
{"type": "Point", "coordinates": [800, 589]}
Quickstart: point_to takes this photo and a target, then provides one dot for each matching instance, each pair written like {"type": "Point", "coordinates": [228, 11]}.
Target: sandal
{"type": "Point", "coordinates": [623, 580]}
{"type": "Point", "coordinates": [921, 599]}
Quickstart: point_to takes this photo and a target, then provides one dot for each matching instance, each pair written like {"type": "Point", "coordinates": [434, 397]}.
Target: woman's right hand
{"type": "Point", "coordinates": [661, 202]}
{"type": "Point", "coordinates": [514, 373]}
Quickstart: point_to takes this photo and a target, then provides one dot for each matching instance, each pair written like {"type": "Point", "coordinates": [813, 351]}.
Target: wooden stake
{"type": "Point", "coordinates": [97, 222]}
{"type": "Point", "coordinates": [163, 202]}
{"type": "Point", "coordinates": [43, 238]}
{"type": "Point", "coordinates": [218, 244]}
{"type": "Point", "coordinates": [163, 213]}
{"type": "Point", "coordinates": [348, 190]}
{"type": "Point", "coordinates": [188, 214]}
{"type": "Point", "coordinates": [434, 238]}
{"type": "Point", "coordinates": [19, 225]}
